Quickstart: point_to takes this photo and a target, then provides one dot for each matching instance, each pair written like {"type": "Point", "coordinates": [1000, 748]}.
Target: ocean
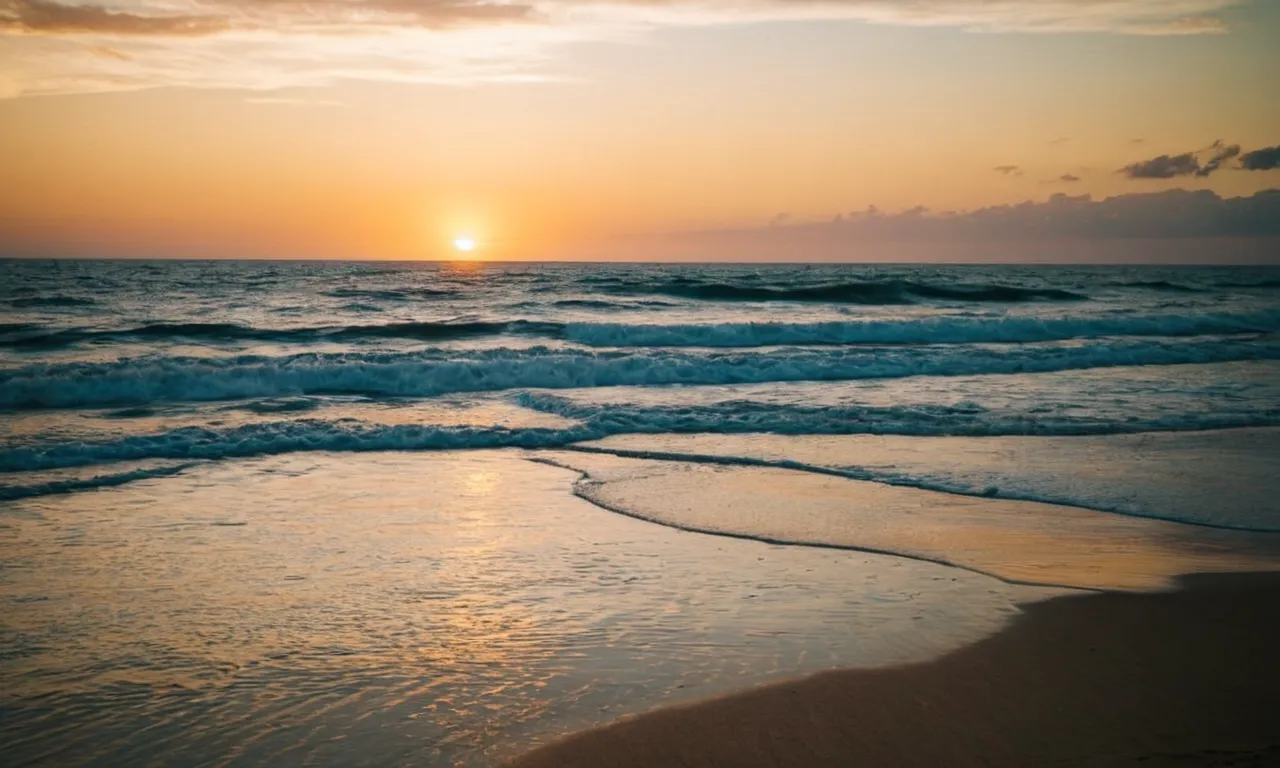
{"type": "Point", "coordinates": [354, 513]}
{"type": "Point", "coordinates": [108, 361]}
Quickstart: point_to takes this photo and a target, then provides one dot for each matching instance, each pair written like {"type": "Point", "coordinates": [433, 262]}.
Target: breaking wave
{"type": "Point", "coordinates": [433, 372]}
{"type": "Point", "coordinates": [930, 330]}
{"type": "Point", "coordinates": [348, 435]}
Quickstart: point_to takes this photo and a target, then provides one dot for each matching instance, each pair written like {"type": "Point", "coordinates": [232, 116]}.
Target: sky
{"type": "Point", "coordinates": [664, 129]}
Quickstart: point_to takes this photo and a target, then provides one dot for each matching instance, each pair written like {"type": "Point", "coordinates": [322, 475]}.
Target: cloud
{"type": "Point", "coordinates": [1008, 170]}
{"type": "Point", "coordinates": [1176, 213]}
{"type": "Point", "coordinates": [208, 17]}
{"type": "Point", "coordinates": [1265, 159]}
{"type": "Point", "coordinates": [1068, 178]}
{"type": "Point", "coordinates": [48, 45]}
{"type": "Point", "coordinates": [294, 102]}
{"type": "Point", "coordinates": [1220, 154]}
{"type": "Point", "coordinates": [52, 18]}
{"type": "Point", "coordinates": [1185, 164]}
{"type": "Point", "coordinates": [107, 52]}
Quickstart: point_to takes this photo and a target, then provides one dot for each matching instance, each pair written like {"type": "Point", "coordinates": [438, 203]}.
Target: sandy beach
{"type": "Point", "coordinates": [1178, 678]}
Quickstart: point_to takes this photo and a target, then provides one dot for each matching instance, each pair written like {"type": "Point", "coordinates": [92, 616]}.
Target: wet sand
{"type": "Point", "coordinates": [1187, 677]}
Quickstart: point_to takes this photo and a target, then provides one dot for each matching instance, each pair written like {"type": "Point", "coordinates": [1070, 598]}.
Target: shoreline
{"type": "Point", "coordinates": [1184, 677]}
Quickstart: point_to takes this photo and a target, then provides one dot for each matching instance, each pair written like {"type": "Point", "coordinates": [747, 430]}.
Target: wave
{"type": "Point", "coordinates": [587, 304]}
{"type": "Point", "coordinates": [50, 301]}
{"type": "Point", "coordinates": [933, 330]}
{"type": "Point", "coordinates": [1160, 285]}
{"type": "Point", "coordinates": [933, 419]}
{"type": "Point", "coordinates": [928, 330]}
{"type": "Point", "coordinates": [14, 492]}
{"type": "Point", "coordinates": [388, 294]}
{"type": "Point", "coordinates": [225, 332]}
{"type": "Point", "coordinates": [885, 292]}
{"type": "Point", "coordinates": [1254, 284]}
{"type": "Point", "coordinates": [431, 372]}
{"type": "Point", "coordinates": [347, 435]}
{"type": "Point", "coordinates": [282, 437]}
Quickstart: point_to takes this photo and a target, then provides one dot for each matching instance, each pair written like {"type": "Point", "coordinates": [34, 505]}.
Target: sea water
{"type": "Point", "coordinates": [237, 525]}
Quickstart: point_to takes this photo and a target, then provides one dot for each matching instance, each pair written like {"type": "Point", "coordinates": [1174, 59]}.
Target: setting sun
{"type": "Point", "coordinates": [464, 244]}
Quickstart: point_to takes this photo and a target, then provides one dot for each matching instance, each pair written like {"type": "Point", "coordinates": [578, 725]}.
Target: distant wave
{"type": "Point", "coordinates": [1255, 284]}
{"type": "Point", "coordinates": [886, 292]}
{"type": "Point", "coordinates": [932, 330]}
{"type": "Point", "coordinates": [223, 332]}
{"type": "Point", "coordinates": [928, 330]}
{"type": "Point", "coordinates": [587, 304]}
{"type": "Point", "coordinates": [436, 372]}
{"type": "Point", "coordinates": [50, 301]}
{"type": "Point", "coordinates": [1159, 285]}
{"type": "Point", "coordinates": [388, 294]}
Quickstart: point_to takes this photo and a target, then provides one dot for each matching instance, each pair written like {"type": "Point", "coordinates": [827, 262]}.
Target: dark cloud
{"type": "Point", "coordinates": [1068, 178]}
{"type": "Point", "coordinates": [1008, 170]}
{"type": "Point", "coordinates": [1163, 167]}
{"type": "Point", "coordinates": [1186, 164]}
{"type": "Point", "coordinates": [1220, 154]}
{"type": "Point", "coordinates": [50, 18]}
{"type": "Point", "coordinates": [1265, 159]}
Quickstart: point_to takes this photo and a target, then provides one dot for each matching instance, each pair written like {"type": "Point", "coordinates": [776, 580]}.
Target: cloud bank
{"type": "Point", "coordinates": [50, 46]}
{"type": "Point", "coordinates": [1166, 227]}
{"type": "Point", "coordinates": [1173, 213]}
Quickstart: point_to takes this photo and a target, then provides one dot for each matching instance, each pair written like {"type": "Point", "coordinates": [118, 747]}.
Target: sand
{"type": "Point", "coordinates": [1187, 677]}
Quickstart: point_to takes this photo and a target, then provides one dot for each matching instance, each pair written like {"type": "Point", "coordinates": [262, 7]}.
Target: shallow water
{"type": "Point", "coordinates": [1017, 541]}
{"type": "Point", "coordinates": [395, 609]}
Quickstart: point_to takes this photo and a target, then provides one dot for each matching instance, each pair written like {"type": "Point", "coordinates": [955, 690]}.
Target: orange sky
{"type": "Point", "coordinates": [540, 137]}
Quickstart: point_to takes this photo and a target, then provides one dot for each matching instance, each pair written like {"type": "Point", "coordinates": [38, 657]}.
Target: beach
{"type": "Point", "coordinates": [1177, 678]}
{"type": "Point", "coordinates": [359, 514]}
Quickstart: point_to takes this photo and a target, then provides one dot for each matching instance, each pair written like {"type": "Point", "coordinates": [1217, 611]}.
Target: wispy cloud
{"type": "Point", "coordinates": [295, 102]}
{"type": "Point", "coordinates": [1008, 170]}
{"type": "Point", "coordinates": [58, 47]}
{"type": "Point", "coordinates": [1068, 178]}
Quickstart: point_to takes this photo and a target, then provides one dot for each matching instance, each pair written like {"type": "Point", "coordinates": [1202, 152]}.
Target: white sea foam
{"type": "Point", "coordinates": [438, 372]}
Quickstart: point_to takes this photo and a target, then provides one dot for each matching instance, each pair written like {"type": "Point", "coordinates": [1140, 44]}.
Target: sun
{"type": "Point", "coordinates": [464, 244]}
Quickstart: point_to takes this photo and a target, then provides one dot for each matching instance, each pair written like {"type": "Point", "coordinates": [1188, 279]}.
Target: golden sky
{"type": "Point", "coordinates": [387, 128]}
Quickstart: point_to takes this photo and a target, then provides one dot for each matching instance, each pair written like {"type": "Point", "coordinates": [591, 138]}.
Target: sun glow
{"type": "Point", "coordinates": [464, 244]}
